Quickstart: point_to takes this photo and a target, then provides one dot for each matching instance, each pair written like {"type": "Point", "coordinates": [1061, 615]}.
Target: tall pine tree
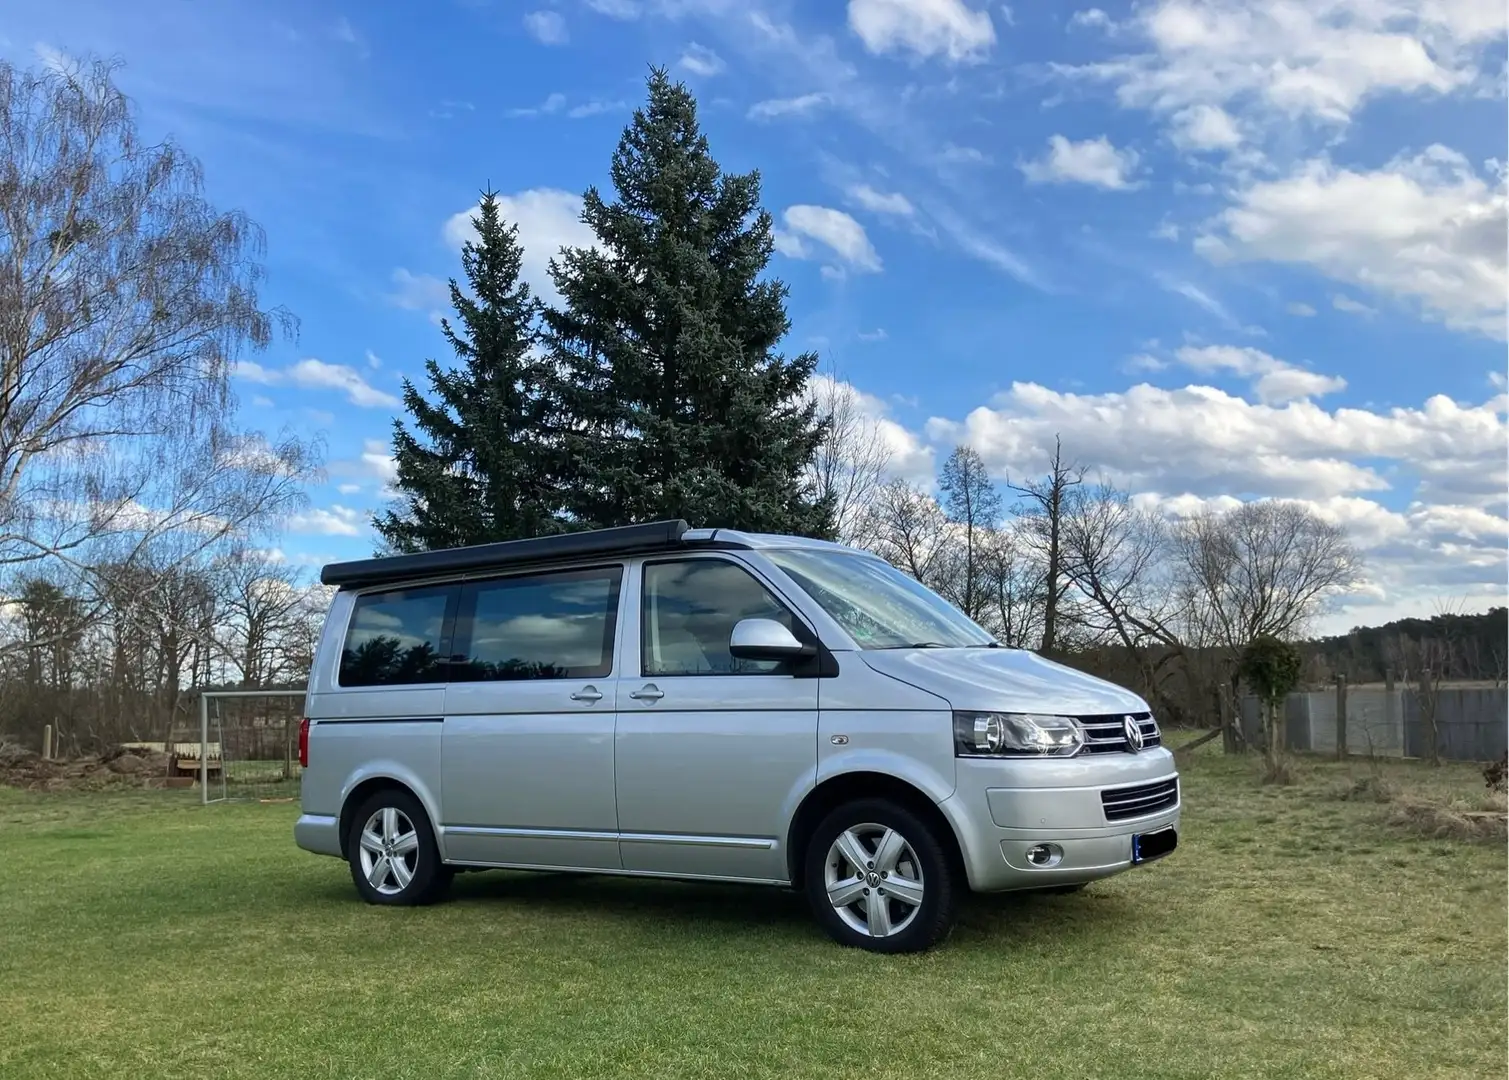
{"type": "Point", "coordinates": [681, 406]}
{"type": "Point", "coordinates": [487, 465]}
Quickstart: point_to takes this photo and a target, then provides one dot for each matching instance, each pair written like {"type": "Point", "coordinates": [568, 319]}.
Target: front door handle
{"type": "Point", "coordinates": [648, 694]}
{"type": "Point", "coordinates": [589, 694]}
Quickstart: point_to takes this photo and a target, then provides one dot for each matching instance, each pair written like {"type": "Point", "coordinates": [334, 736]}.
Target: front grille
{"type": "Point", "coordinates": [1139, 801]}
{"type": "Point", "coordinates": [1107, 734]}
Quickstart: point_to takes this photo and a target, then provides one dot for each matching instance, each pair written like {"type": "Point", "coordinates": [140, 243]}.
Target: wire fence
{"type": "Point", "coordinates": [248, 745]}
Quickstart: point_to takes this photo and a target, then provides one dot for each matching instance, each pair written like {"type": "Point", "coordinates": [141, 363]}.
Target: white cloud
{"type": "Point", "coordinates": [1090, 18]}
{"type": "Point", "coordinates": [312, 374]}
{"type": "Point", "coordinates": [832, 229]}
{"type": "Point", "coordinates": [615, 9]}
{"type": "Point", "coordinates": [552, 104]}
{"type": "Point", "coordinates": [878, 334]}
{"type": "Point", "coordinates": [1274, 380]}
{"type": "Point", "coordinates": [548, 219]}
{"type": "Point", "coordinates": [596, 107]}
{"type": "Point", "coordinates": [1092, 161]}
{"type": "Point", "coordinates": [1196, 295]}
{"type": "Point", "coordinates": [925, 28]}
{"type": "Point", "coordinates": [961, 155]}
{"type": "Point", "coordinates": [1205, 127]}
{"type": "Point", "coordinates": [1350, 306]}
{"type": "Point", "coordinates": [1206, 442]}
{"type": "Point", "coordinates": [979, 246]}
{"type": "Point", "coordinates": [1427, 229]}
{"type": "Point", "coordinates": [374, 463]}
{"type": "Point", "coordinates": [419, 292]}
{"type": "Point", "coordinates": [880, 202]}
{"type": "Point", "coordinates": [1180, 450]}
{"type": "Point", "coordinates": [373, 360]}
{"type": "Point", "coordinates": [1411, 557]}
{"type": "Point", "coordinates": [910, 457]}
{"type": "Point", "coordinates": [700, 60]}
{"type": "Point", "coordinates": [547, 27]}
{"type": "Point", "coordinates": [377, 459]}
{"type": "Point", "coordinates": [1304, 311]}
{"type": "Point", "coordinates": [336, 521]}
{"type": "Point", "coordinates": [1318, 61]}
{"type": "Point", "coordinates": [793, 106]}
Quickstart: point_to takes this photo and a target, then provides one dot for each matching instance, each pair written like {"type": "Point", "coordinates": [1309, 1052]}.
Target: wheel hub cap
{"type": "Point", "coordinates": [874, 880]}
{"type": "Point", "coordinates": [389, 851]}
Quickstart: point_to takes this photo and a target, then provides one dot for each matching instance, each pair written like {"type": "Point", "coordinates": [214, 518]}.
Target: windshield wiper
{"type": "Point", "coordinates": [918, 645]}
{"type": "Point", "coordinates": [986, 645]}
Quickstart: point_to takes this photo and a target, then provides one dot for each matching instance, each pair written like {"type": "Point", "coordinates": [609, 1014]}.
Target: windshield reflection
{"type": "Point", "coordinates": [879, 606]}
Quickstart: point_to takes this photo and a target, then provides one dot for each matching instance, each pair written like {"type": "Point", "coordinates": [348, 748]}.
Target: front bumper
{"type": "Point", "coordinates": [1000, 809]}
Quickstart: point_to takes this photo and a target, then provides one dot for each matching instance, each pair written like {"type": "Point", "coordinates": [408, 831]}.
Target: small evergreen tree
{"type": "Point", "coordinates": [680, 404]}
{"type": "Point", "coordinates": [487, 466]}
{"type": "Point", "coordinates": [1271, 668]}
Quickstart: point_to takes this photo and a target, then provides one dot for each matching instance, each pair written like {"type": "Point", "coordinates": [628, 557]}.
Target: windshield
{"type": "Point", "coordinates": [878, 605]}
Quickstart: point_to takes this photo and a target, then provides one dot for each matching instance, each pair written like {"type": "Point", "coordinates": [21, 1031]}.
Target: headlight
{"type": "Point", "coordinates": [1016, 735]}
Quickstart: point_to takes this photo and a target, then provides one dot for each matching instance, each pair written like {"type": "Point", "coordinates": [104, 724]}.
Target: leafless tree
{"type": "Point", "coordinates": [1263, 567]}
{"type": "Point", "coordinates": [1011, 582]}
{"type": "Point", "coordinates": [265, 627]}
{"type": "Point", "coordinates": [907, 527]}
{"type": "Point", "coordinates": [1046, 502]}
{"type": "Point", "coordinates": [1116, 558]}
{"type": "Point", "coordinates": [850, 465]}
{"type": "Point", "coordinates": [124, 298]}
{"type": "Point", "coordinates": [973, 506]}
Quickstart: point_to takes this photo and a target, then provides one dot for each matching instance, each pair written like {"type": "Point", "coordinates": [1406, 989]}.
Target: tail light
{"type": "Point", "coordinates": [304, 743]}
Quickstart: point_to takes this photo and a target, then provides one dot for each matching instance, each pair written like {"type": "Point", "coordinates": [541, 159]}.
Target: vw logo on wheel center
{"type": "Point", "coordinates": [1133, 734]}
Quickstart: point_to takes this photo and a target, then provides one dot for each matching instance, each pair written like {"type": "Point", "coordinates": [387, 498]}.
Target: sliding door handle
{"type": "Point", "coordinates": [648, 694]}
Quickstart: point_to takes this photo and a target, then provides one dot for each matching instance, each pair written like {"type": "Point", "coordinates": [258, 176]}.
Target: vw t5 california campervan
{"type": "Point", "coordinates": [713, 705]}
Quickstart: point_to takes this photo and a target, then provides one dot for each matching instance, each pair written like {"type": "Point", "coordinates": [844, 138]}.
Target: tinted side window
{"type": "Point", "coordinates": [544, 626]}
{"type": "Point", "coordinates": [397, 638]}
{"type": "Point", "coordinates": [689, 612]}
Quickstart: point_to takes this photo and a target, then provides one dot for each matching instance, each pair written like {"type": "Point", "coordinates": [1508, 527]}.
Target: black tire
{"type": "Point", "coordinates": [428, 878]}
{"type": "Point", "coordinates": [924, 924]}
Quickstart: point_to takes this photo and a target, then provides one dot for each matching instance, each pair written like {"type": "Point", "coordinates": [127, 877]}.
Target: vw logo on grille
{"type": "Point", "coordinates": [1133, 733]}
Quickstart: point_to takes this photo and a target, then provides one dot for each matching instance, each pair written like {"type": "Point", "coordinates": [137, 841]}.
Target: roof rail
{"type": "Point", "coordinates": [623, 540]}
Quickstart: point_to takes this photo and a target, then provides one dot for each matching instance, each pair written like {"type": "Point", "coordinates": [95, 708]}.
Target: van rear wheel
{"type": "Point", "coordinates": [879, 878]}
{"type": "Point", "coordinates": [392, 851]}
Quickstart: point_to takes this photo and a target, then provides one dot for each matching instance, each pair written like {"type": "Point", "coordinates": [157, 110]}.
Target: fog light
{"type": "Point", "coordinates": [1045, 855]}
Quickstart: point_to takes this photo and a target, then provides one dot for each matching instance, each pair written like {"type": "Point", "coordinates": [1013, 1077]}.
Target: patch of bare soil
{"type": "Point", "coordinates": [24, 768]}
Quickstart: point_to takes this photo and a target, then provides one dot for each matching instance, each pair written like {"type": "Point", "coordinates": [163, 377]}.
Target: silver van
{"type": "Point", "coordinates": [712, 705]}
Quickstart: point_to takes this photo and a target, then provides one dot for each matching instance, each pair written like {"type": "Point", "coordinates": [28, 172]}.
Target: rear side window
{"type": "Point", "coordinates": [689, 612]}
{"type": "Point", "coordinates": [539, 626]}
{"type": "Point", "coordinates": [397, 638]}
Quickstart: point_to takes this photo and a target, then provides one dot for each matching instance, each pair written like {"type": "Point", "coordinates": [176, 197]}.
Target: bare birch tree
{"type": "Point", "coordinates": [124, 298]}
{"type": "Point", "coordinates": [850, 465]}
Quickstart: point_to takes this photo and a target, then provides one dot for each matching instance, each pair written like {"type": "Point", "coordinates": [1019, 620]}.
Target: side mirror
{"type": "Point", "coordinates": [766, 639]}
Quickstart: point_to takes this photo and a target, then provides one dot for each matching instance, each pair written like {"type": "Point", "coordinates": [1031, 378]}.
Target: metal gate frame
{"type": "Point", "coordinates": [204, 730]}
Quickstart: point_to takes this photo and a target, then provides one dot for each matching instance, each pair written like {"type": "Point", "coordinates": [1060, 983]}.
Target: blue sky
{"type": "Point", "coordinates": [1226, 250]}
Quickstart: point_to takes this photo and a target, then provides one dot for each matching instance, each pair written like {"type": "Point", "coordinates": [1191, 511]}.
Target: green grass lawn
{"type": "Point", "coordinates": [1293, 934]}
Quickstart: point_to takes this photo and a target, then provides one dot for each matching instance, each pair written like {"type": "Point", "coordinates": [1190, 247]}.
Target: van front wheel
{"type": "Point", "coordinates": [879, 878]}
{"type": "Point", "coordinates": [392, 851]}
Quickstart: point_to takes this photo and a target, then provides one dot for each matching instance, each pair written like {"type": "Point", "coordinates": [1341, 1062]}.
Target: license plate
{"type": "Point", "coordinates": [1154, 845]}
